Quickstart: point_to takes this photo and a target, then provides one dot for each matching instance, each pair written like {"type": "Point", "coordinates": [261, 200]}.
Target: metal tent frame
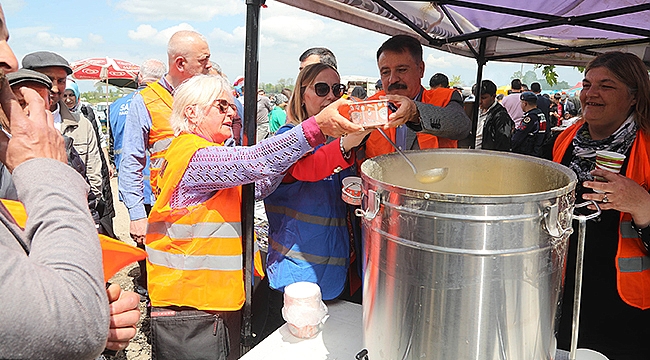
{"type": "Point", "coordinates": [530, 40]}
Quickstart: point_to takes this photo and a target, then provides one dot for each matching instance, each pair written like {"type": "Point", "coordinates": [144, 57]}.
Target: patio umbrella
{"type": "Point", "coordinates": [104, 69]}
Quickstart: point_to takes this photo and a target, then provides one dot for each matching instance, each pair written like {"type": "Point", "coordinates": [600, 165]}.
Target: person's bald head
{"type": "Point", "coordinates": [188, 54]}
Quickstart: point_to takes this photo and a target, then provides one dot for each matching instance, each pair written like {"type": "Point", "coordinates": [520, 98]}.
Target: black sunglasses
{"type": "Point", "coordinates": [322, 89]}
{"type": "Point", "coordinates": [223, 105]}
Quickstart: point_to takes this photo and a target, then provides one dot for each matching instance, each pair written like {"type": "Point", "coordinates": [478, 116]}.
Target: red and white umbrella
{"type": "Point", "coordinates": [103, 69]}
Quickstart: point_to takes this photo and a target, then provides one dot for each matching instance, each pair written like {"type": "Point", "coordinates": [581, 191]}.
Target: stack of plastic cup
{"type": "Point", "coordinates": [303, 309]}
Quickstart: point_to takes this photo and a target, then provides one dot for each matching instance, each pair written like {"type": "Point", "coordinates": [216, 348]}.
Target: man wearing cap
{"type": "Point", "coordinates": [529, 135]}
{"type": "Point", "coordinates": [567, 105]}
{"type": "Point", "coordinates": [278, 116]}
{"type": "Point", "coordinates": [76, 126]}
{"type": "Point", "coordinates": [147, 124]}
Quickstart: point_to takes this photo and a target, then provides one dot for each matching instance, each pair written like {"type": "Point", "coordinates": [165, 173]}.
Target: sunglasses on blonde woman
{"type": "Point", "coordinates": [322, 89]}
{"type": "Point", "coordinates": [223, 105]}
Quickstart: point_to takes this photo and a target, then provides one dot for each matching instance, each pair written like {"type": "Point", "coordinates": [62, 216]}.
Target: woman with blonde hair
{"type": "Point", "coordinates": [309, 238]}
{"type": "Point", "coordinates": [194, 265]}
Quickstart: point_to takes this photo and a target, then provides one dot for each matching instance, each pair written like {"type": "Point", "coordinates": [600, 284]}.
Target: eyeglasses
{"type": "Point", "coordinates": [223, 105]}
{"type": "Point", "coordinates": [322, 89]}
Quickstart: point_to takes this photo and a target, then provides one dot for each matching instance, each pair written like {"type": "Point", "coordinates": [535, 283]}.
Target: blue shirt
{"type": "Point", "coordinates": [118, 113]}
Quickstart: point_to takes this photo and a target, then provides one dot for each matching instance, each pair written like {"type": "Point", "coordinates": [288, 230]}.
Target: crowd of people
{"type": "Point", "coordinates": [181, 162]}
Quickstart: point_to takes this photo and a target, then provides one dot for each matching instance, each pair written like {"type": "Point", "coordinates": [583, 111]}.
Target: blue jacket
{"type": "Point", "coordinates": [308, 234]}
{"type": "Point", "coordinates": [118, 111]}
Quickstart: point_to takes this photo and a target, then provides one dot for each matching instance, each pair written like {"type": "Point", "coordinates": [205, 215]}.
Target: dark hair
{"type": "Point", "coordinates": [500, 97]}
{"type": "Point", "coordinates": [630, 70]}
{"type": "Point", "coordinates": [402, 43]}
{"type": "Point", "coordinates": [515, 84]}
{"type": "Point", "coordinates": [326, 56]}
{"type": "Point", "coordinates": [488, 87]}
{"type": "Point", "coordinates": [536, 87]}
{"type": "Point", "coordinates": [439, 79]}
{"type": "Point", "coordinates": [359, 92]}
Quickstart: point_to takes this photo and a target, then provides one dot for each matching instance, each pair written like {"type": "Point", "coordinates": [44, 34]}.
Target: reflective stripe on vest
{"type": "Point", "coordinates": [632, 270]}
{"type": "Point", "coordinates": [312, 219]}
{"type": "Point", "coordinates": [195, 262]}
{"type": "Point", "coordinates": [202, 230]}
{"type": "Point", "coordinates": [632, 264]}
{"type": "Point", "coordinates": [314, 259]}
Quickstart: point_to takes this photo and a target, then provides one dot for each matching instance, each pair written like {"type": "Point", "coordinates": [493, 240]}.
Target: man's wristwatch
{"type": "Point", "coordinates": [644, 235]}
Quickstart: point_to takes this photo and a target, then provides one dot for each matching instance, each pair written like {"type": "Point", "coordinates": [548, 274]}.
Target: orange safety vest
{"type": "Point", "coordinates": [632, 261]}
{"type": "Point", "coordinates": [159, 104]}
{"type": "Point", "coordinates": [115, 254]}
{"type": "Point", "coordinates": [376, 144]}
{"type": "Point", "coordinates": [195, 253]}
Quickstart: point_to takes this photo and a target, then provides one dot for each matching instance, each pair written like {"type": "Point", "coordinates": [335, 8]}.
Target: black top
{"type": "Point", "coordinates": [607, 324]}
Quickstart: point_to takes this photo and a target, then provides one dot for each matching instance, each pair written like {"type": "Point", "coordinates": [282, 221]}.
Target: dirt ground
{"type": "Point", "coordinates": [139, 349]}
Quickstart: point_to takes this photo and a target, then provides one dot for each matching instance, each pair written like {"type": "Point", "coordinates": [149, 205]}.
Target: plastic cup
{"type": "Point", "coordinates": [351, 192]}
{"type": "Point", "coordinates": [610, 161]}
{"type": "Point", "coordinates": [371, 113]}
{"type": "Point", "coordinates": [303, 309]}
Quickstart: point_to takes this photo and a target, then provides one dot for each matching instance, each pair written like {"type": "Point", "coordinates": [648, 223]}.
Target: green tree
{"type": "Point", "coordinates": [455, 80]}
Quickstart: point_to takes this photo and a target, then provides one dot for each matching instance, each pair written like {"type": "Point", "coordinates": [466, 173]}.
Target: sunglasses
{"type": "Point", "coordinates": [322, 89]}
{"type": "Point", "coordinates": [223, 105]}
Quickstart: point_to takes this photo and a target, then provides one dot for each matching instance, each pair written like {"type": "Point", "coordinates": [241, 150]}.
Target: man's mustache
{"type": "Point", "coordinates": [397, 86]}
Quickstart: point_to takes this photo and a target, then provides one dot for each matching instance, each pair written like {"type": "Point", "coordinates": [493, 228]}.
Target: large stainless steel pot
{"type": "Point", "coordinates": [467, 268]}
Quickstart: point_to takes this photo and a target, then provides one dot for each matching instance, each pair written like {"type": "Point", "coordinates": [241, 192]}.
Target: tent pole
{"type": "Point", "coordinates": [480, 60]}
{"type": "Point", "coordinates": [248, 191]}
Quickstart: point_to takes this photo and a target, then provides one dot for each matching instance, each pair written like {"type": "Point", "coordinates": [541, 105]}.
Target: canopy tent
{"type": "Point", "coordinates": [557, 32]}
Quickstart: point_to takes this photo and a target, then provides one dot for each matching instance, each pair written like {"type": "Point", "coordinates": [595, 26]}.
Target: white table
{"type": "Point", "coordinates": [341, 338]}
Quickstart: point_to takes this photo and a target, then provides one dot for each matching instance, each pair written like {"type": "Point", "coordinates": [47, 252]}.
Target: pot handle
{"type": "Point", "coordinates": [551, 218]}
{"type": "Point", "coordinates": [374, 201]}
{"type": "Point", "coordinates": [552, 224]}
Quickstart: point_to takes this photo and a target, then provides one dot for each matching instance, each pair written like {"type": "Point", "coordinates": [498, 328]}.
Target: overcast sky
{"type": "Point", "coordinates": [136, 30]}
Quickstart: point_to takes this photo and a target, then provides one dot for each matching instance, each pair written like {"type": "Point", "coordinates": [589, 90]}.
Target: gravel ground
{"type": "Point", "coordinates": [139, 349]}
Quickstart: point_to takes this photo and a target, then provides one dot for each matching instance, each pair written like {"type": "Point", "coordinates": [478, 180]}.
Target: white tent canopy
{"type": "Point", "coordinates": [560, 32]}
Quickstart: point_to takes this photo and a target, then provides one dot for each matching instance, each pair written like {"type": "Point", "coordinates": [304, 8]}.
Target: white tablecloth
{"type": "Point", "coordinates": [341, 338]}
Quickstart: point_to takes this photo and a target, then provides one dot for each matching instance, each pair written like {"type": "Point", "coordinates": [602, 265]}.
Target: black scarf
{"type": "Point", "coordinates": [583, 159]}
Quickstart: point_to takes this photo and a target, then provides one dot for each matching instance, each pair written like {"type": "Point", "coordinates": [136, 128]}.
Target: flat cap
{"type": "Point", "coordinates": [26, 75]}
{"type": "Point", "coordinates": [528, 96]}
{"type": "Point", "coordinates": [41, 59]}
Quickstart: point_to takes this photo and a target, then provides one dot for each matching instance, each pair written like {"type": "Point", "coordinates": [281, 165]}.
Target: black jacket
{"type": "Point", "coordinates": [497, 129]}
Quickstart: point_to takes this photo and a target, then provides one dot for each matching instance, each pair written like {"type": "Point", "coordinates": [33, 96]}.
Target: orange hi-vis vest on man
{"type": "Point", "coordinates": [376, 144]}
{"type": "Point", "coordinates": [159, 104]}
{"type": "Point", "coordinates": [632, 261]}
{"type": "Point", "coordinates": [194, 253]}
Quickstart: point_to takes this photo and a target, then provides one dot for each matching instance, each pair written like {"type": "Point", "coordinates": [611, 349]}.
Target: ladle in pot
{"type": "Point", "coordinates": [427, 176]}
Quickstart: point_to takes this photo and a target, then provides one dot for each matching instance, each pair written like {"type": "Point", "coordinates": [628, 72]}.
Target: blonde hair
{"type": "Point", "coordinates": [199, 91]}
{"type": "Point", "coordinates": [296, 109]}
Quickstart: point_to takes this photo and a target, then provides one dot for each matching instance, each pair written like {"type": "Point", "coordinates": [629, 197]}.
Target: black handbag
{"type": "Point", "coordinates": [188, 334]}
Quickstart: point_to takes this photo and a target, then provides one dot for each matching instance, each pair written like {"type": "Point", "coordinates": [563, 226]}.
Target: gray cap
{"type": "Point", "coordinates": [280, 99]}
{"type": "Point", "coordinates": [41, 59]}
{"type": "Point", "coordinates": [26, 75]}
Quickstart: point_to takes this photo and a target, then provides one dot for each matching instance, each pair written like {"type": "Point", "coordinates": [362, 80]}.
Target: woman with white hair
{"type": "Point", "coordinates": [194, 232]}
